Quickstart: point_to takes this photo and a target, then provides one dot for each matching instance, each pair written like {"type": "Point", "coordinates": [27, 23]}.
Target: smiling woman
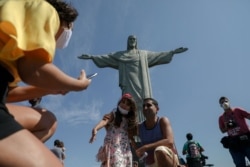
{"type": "Point", "coordinates": [120, 127]}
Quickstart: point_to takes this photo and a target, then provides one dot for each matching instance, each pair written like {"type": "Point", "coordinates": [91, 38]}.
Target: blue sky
{"type": "Point", "coordinates": [217, 33]}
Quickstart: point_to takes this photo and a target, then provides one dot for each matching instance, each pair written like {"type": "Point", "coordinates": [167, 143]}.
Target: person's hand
{"type": "Point", "coordinates": [140, 151]}
{"type": "Point", "coordinates": [84, 80]}
{"type": "Point", "coordinates": [180, 50]}
{"type": "Point", "coordinates": [93, 137]}
{"type": "Point", "coordinates": [85, 56]}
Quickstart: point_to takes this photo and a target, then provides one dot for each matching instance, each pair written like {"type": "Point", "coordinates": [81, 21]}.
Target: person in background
{"type": "Point", "coordinates": [63, 150]}
{"type": "Point", "coordinates": [28, 39]}
{"type": "Point", "coordinates": [120, 125]}
{"type": "Point", "coordinates": [233, 122]}
{"type": "Point", "coordinates": [157, 138]}
{"type": "Point", "coordinates": [58, 150]}
{"type": "Point", "coordinates": [192, 149]}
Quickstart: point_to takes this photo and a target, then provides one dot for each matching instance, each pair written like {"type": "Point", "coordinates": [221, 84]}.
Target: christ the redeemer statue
{"type": "Point", "coordinates": [133, 66]}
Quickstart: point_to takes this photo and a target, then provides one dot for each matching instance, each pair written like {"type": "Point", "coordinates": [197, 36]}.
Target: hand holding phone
{"type": "Point", "coordinates": [143, 156]}
{"type": "Point", "coordinates": [91, 75]}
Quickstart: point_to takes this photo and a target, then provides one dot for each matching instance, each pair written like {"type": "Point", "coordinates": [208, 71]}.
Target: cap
{"type": "Point", "coordinates": [126, 96]}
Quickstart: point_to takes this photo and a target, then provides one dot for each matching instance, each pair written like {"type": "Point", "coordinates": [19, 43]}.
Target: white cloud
{"type": "Point", "coordinates": [73, 112]}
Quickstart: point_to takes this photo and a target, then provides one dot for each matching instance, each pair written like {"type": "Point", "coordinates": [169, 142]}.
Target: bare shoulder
{"type": "Point", "coordinates": [109, 116]}
{"type": "Point", "coordinates": [164, 120]}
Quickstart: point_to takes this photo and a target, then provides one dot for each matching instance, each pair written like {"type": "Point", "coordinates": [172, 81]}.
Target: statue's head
{"type": "Point", "coordinates": [132, 42]}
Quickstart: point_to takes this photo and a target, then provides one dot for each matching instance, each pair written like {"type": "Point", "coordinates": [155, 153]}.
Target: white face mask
{"type": "Point", "coordinates": [63, 39]}
{"type": "Point", "coordinates": [123, 111]}
{"type": "Point", "coordinates": [225, 105]}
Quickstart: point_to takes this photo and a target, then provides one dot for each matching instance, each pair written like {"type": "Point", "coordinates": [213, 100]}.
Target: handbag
{"type": "Point", "coordinates": [225, 141]}
{"type": "Point", "coordinates": [230, 142]}
{"type": "Point", "coordinates": [102, 154]}
{"type": "Point", "coordinates": [236, 142]}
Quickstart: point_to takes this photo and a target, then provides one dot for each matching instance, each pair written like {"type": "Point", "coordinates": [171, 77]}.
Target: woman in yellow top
{"type": "Point", "coordinates": [30, 30]}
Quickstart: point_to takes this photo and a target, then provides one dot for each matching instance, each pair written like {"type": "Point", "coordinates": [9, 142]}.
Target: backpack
{"type": "Point", "coordinates": [193, 150]}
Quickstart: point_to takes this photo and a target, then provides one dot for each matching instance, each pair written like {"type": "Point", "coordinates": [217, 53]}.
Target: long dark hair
{"type": "Point", "coordinates": [131, 116]}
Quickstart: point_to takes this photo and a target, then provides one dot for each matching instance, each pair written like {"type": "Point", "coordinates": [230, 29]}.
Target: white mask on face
{"type": "Point", "coordinates": [123, 111]}
{"type": "Point", "coordinates": [63, 39]}
{"type": "Point", "coordinates": [225, 105]}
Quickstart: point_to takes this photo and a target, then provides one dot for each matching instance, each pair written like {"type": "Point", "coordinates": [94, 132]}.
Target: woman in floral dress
{"type": "Point", "coordinates": [121, 126]}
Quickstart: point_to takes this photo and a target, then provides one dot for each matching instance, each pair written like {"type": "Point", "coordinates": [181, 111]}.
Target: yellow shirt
{"type": "Point", "coordinates": [27, 27]}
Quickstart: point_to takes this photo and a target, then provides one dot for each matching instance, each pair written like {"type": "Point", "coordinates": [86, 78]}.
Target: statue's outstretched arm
{"type": "Point", "coordinates": [180, 50]}
{"type": "Point", "coordinates": [85, 56]}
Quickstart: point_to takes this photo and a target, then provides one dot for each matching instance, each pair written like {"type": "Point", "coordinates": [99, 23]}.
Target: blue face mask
{"type": "Point", "coordinates": [64, 38]}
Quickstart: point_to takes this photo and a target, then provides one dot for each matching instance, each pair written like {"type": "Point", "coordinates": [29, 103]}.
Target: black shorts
{"type": "Point", "coordinates": [8, 124]}
{"type": "Point", "coordinates": [194, 162]}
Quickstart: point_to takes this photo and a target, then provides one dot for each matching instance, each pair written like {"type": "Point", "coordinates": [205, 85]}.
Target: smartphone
{"type": "Point", "coordinates": [91, 75]}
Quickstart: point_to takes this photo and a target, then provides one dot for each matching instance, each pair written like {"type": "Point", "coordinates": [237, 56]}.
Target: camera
{"type": "Point", "coordinates": [231, 124]}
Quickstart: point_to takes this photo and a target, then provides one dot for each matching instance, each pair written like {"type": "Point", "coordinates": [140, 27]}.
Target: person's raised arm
{"type": "Point", "coordinates": [100, 125]}
{"type": "Point", "coordinates": [46, 75]}
{"type": "Point", "coordinates": [22, 93]}
{"type": "Point", "coordinates": [106, 119]}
